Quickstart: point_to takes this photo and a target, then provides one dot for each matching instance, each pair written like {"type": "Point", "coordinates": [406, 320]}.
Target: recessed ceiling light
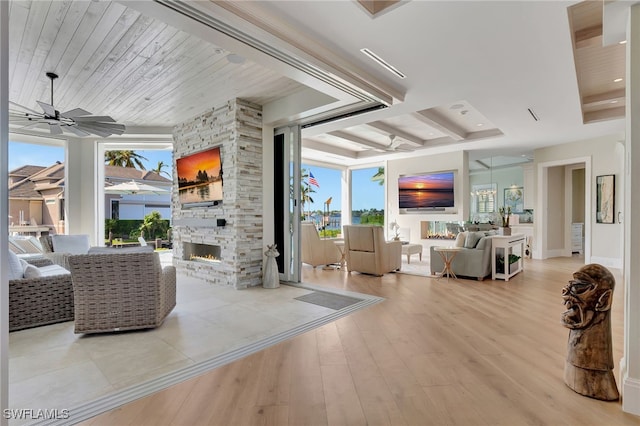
{"type": "Point", "coordinates": [386, 65]}
{"type": "Point", "coordinates": [480, 124]}
{"type": "Point", "coordinates": [622, 42]}
{"type": "Point", "coordinates": [456, 106]}
{"type": "Point", "coordinates": [235, 59]}
{"type": "Point", "coordinates": [613, 102]}
{"type": "Point", "coordinates": [617, 80]}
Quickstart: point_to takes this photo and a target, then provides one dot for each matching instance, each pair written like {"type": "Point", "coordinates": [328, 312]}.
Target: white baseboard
{"type": "Point", "coordinates": [608, 262]}
{"type": "Point", "coordinates": [631, 396]}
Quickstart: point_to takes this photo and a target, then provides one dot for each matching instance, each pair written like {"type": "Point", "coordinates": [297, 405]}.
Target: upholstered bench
{"type": "Point", "coordinates": [410, 249]}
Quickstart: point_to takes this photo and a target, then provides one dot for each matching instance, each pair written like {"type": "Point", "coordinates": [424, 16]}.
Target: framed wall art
{"type": "Point", "coordinates": [514, 198]}
{"type": "Point", "coordinates": [605, 198]}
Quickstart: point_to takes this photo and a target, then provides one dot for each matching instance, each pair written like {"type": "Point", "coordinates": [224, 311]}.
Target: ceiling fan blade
{"type": "Point", "coordinates": [48, 109]}
{"type": "Point", "coordinates": [97, 118]}
{"type": "Point", "coordinates": [96, 131]}
{"type": "Point", "coordinates": [55, 129]}
{"type": "Point", "coordinates": [76, 112]}
{"type": "Point", "coordinates": [109, 127]}
{"type": "Point", "coordinates": [78, 132]}
{"type": "Point", "coordinates": [24, 108]}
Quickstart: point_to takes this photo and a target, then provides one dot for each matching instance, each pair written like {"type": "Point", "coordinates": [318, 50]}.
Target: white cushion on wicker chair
{"type": "Point", "coordinates": [72, 244]}
{"type": "Point", "coordinates": [15, 267]}
{"type": "Point", "coordinates": [53, 270]}
{"type": "Point", "coordinates": [31, 271]}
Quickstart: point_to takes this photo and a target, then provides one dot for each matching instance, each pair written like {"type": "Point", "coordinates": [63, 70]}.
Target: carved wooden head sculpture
{"type": "Point", "coordinates": [588, 296]}
{"type": "Point", "coordinates": [589, 364]}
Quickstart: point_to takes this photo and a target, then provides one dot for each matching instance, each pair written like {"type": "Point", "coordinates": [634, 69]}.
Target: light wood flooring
{"type": "Point", "coordinates": [434, 353]}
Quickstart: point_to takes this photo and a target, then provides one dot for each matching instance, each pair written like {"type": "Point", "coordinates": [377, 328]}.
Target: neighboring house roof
{"type": "Point", "coordinates": [52, 177]}
{"type": "Point", "coordinates": [129, 173]}
{"type": "Point", "coordinates": [25, 171]}
{"type": "Point", "coordinates": [42, 178]}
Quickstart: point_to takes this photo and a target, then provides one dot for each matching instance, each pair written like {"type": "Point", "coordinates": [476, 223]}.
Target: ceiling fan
{"type": "Point", "coordinates": [394, 145]}
{"type": "Point", "coordinates": [77, 121]}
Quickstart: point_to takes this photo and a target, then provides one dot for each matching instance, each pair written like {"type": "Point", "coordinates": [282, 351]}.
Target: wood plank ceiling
{"type": "Point", "coordinates": [600, 70]}
{"type": "Point", "coordinates": [114, 61]}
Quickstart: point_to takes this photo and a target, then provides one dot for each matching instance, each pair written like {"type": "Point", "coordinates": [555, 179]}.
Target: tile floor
{"type": "Point", "coordinates": [51, 367]}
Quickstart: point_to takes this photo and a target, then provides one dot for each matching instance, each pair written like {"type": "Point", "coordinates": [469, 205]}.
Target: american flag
{"type": "Point", "coordinates": [313, 181]}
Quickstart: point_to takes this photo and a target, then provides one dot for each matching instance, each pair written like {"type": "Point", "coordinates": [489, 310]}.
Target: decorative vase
{"type": "Point", "coordinates": [504, 230]}
{"type": "Point", "coordinates": [270, 277]}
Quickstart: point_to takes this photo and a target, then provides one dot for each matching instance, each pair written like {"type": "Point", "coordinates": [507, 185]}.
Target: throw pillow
{"type": "Point", "coordinates": [31, 272]}
{"type": "Point", "coordinates": [460, 239]}
{"type": "Point", "coordinates": [72, 244]}
{"type": "Point", "coordinates": [482, 243]}
{"type": "Point", "coordinates": [472, 239]}
{"type": "Point", "coordinates": [15, 267]}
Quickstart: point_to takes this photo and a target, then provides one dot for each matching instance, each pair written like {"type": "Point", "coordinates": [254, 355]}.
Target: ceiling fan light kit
{"type": "Point", "coordinates": [77, 121]}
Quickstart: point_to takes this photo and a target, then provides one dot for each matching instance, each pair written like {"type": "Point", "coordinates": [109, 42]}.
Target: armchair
{"type": "Point", "coordinates": [121, 291]}
{"type": "Point", "coordinates": [367, 251]}
{"type": "Point", "coordinates": [40, 297]}
{"type": "Point", "coordinates": [316, 251]}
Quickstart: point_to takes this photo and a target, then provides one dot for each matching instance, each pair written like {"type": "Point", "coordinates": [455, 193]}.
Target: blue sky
{"type": "Point", "coordinates": [21, 154]}
{"type": "Point", "coordinates": [365, 195]}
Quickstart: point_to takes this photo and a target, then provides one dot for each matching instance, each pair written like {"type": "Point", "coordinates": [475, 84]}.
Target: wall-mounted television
{"type": "Point", "coordinates": [434, 191]}
{"type": "Point", "coordinates": [200, 178]}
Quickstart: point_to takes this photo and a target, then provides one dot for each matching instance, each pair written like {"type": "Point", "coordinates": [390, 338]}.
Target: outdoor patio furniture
{"type": "Point", "coordinates": [121, 291]}
{"type": "Point", "coordinates": [41, 300]}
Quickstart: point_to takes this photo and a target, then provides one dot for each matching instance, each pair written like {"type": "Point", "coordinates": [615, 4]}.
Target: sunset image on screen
{"type": "Point", "coordinates": [200, 177]}
{"type": "Point", "coordinates": [429, 190]}
{"type": "Point", "coordinates": [207, 161]}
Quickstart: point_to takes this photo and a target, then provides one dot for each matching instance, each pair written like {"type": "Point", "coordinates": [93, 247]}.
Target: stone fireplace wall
{"type": "Point", "coordinates": [236, 127]}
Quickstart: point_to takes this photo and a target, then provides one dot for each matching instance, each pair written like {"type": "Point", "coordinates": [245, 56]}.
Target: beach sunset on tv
{"type": "Point", "coordinates": [429, 190]}
{"type": "Point", "coordinates": [200, 177]}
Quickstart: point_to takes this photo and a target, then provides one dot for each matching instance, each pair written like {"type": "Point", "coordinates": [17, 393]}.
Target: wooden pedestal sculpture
{"type": "Point", "coordinates": [588, 369]}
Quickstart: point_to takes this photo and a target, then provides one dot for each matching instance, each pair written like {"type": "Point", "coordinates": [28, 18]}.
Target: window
{"type": "Point", "coordinates": [115, 209]}
{"type": "Point", "coordinates": [484, 198]}
{"type": "Point", "coordinates": [367, 195]}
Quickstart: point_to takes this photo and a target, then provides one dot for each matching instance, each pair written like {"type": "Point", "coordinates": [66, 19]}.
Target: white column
{"type": "Point", "coordinates": [630, 364]}
{"type": "Point", "coordinates": [4, 209]}
{"type": "Point", "coordinates": [80, 192]}
{"type": "Point", "coordinates": [345, 200]}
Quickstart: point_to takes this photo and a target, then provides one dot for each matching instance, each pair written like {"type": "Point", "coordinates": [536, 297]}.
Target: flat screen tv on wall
{"type": "Point", "coordinates": [200, 178]}
{"type": "Point", "coordinates": [434, 191]}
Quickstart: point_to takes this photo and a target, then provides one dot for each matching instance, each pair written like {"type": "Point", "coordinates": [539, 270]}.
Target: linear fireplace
{"type": "Point", "coordinates": [201, 252]}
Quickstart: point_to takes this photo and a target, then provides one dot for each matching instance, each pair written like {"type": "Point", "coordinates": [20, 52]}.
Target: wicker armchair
{"type": "Point", "coordinates": [40, 301]}
{"type": "Point", "coordinates": [121, 291]}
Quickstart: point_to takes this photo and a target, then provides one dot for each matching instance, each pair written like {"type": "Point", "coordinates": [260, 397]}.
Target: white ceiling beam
{"type": "Point", "coordinates": [441, 124]}
{"type": "Point", "coordinates": [387, 129]}
{"type": "Point", "coordinates": [329, 149]}
{"type": "Point", "coordinates": [358, 140]}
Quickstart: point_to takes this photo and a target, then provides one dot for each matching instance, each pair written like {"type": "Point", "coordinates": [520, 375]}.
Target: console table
{"type": "Point", "coordinates": [506, 243]}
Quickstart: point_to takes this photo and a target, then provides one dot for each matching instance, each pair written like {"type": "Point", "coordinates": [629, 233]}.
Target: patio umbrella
{"type": "Point", "coordinates": [134, 187]}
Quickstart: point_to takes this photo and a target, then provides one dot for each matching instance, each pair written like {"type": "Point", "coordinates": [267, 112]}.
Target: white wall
{"type": "Point", "coordinates": [607, 157]}
{"type": "Point", "coordinates": [457, 161]}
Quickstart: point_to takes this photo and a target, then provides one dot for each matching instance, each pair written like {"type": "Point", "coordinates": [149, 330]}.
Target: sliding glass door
{"type": "Point", "coordinates": [286, 166]}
